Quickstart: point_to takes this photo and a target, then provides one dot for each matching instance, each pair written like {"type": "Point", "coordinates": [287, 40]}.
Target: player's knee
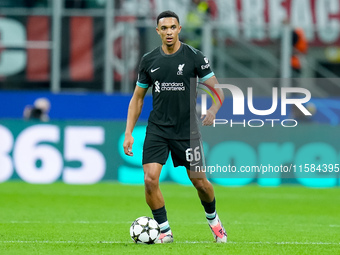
{"type": "Point", "coordinates": [200, 185]}
{"type": "Point", "coordinates": [151, 181]}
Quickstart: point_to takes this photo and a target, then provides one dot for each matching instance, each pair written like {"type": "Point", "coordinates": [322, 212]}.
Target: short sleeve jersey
{"type": "Point", "coordinates": [169, 77]}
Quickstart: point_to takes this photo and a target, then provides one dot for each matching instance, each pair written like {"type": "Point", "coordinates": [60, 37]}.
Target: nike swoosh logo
{"type": "Point", "coordinates": [194, 164]}
{"type": "Point", "coordinates": [154, 70]}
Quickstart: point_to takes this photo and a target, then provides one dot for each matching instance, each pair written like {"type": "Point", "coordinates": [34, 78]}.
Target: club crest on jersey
{"type": "Point", "coordinates": [157, 87]}
{"type": "Point", "coordinates": [180, 69]}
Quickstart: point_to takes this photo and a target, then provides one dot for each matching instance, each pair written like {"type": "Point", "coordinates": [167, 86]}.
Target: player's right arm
{"type": "Point", "coordinates": [135, 108]}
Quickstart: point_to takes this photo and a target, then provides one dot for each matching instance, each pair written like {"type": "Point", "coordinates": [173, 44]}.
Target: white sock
{"type": "Point", "coordinates": [168, 232]}
{"type": "Point", "coordinates": [165, 227]}
{"type": "Point", "coordinates": [212, 218]}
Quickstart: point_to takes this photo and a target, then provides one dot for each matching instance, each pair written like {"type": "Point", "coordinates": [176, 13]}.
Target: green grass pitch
{"type": "Point", "coordinates": [95, 219]}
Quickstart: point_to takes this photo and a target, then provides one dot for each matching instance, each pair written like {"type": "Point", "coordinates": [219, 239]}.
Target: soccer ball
{"type": "Point", "coordinates": [145, 230]}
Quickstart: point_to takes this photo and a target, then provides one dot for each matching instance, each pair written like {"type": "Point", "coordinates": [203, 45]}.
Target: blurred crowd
{"type": "Point", "coordinates": [23, 3]}
{"type": "Point", "coordinates": [38, 111]}
{"type": "Point", "coordinates": [45, 3]}
{"type": "Point", "coordinates": [197, 13]}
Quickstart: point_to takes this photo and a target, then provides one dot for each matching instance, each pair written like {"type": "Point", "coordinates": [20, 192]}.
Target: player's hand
{"type": "Point", "coordinates": [127, 145]}
{"type": "Point", "coordinates": [209, 118]}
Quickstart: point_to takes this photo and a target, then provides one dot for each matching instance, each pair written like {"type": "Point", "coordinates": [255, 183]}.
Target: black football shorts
{"type": "Point", "coordinates": [187, 153]}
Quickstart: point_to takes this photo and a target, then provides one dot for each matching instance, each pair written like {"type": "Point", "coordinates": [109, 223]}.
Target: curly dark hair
{"type": "Point", "coordinates": [167, 14]}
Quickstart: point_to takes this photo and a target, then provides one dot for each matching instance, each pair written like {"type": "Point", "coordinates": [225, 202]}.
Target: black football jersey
{"type": "Point", "coordinates": [173, 96]}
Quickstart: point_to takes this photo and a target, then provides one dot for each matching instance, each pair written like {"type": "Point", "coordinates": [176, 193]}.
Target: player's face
{"type": "Point", "coordinates": [168, 29]}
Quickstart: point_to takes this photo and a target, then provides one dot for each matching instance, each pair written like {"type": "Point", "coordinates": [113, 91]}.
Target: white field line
{"type": "Point", "coordinates": [184, 242]}
{"type": "Point", "coordinates": [128, 222]}
{"type": "Point", "coordinates": [60, 222]}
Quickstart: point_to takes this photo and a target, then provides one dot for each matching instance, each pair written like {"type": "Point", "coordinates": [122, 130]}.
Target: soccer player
{"type": "Point", "coordinates": [168, 69]}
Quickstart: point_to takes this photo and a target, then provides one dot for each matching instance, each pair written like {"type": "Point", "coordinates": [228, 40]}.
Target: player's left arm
{"type": "Point", "coordinates": [219, 98]}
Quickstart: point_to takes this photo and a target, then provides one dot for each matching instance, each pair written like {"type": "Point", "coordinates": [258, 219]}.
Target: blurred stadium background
{"type": "Point", "coordinates": [83, 55]}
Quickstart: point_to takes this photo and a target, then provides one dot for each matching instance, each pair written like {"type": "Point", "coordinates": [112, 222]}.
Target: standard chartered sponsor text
{"type": "Point", "coordinates": [172, 86]}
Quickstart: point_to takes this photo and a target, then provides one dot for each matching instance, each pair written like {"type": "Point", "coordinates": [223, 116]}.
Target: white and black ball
{"type": "Point", "coordinates": [145, 230]}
